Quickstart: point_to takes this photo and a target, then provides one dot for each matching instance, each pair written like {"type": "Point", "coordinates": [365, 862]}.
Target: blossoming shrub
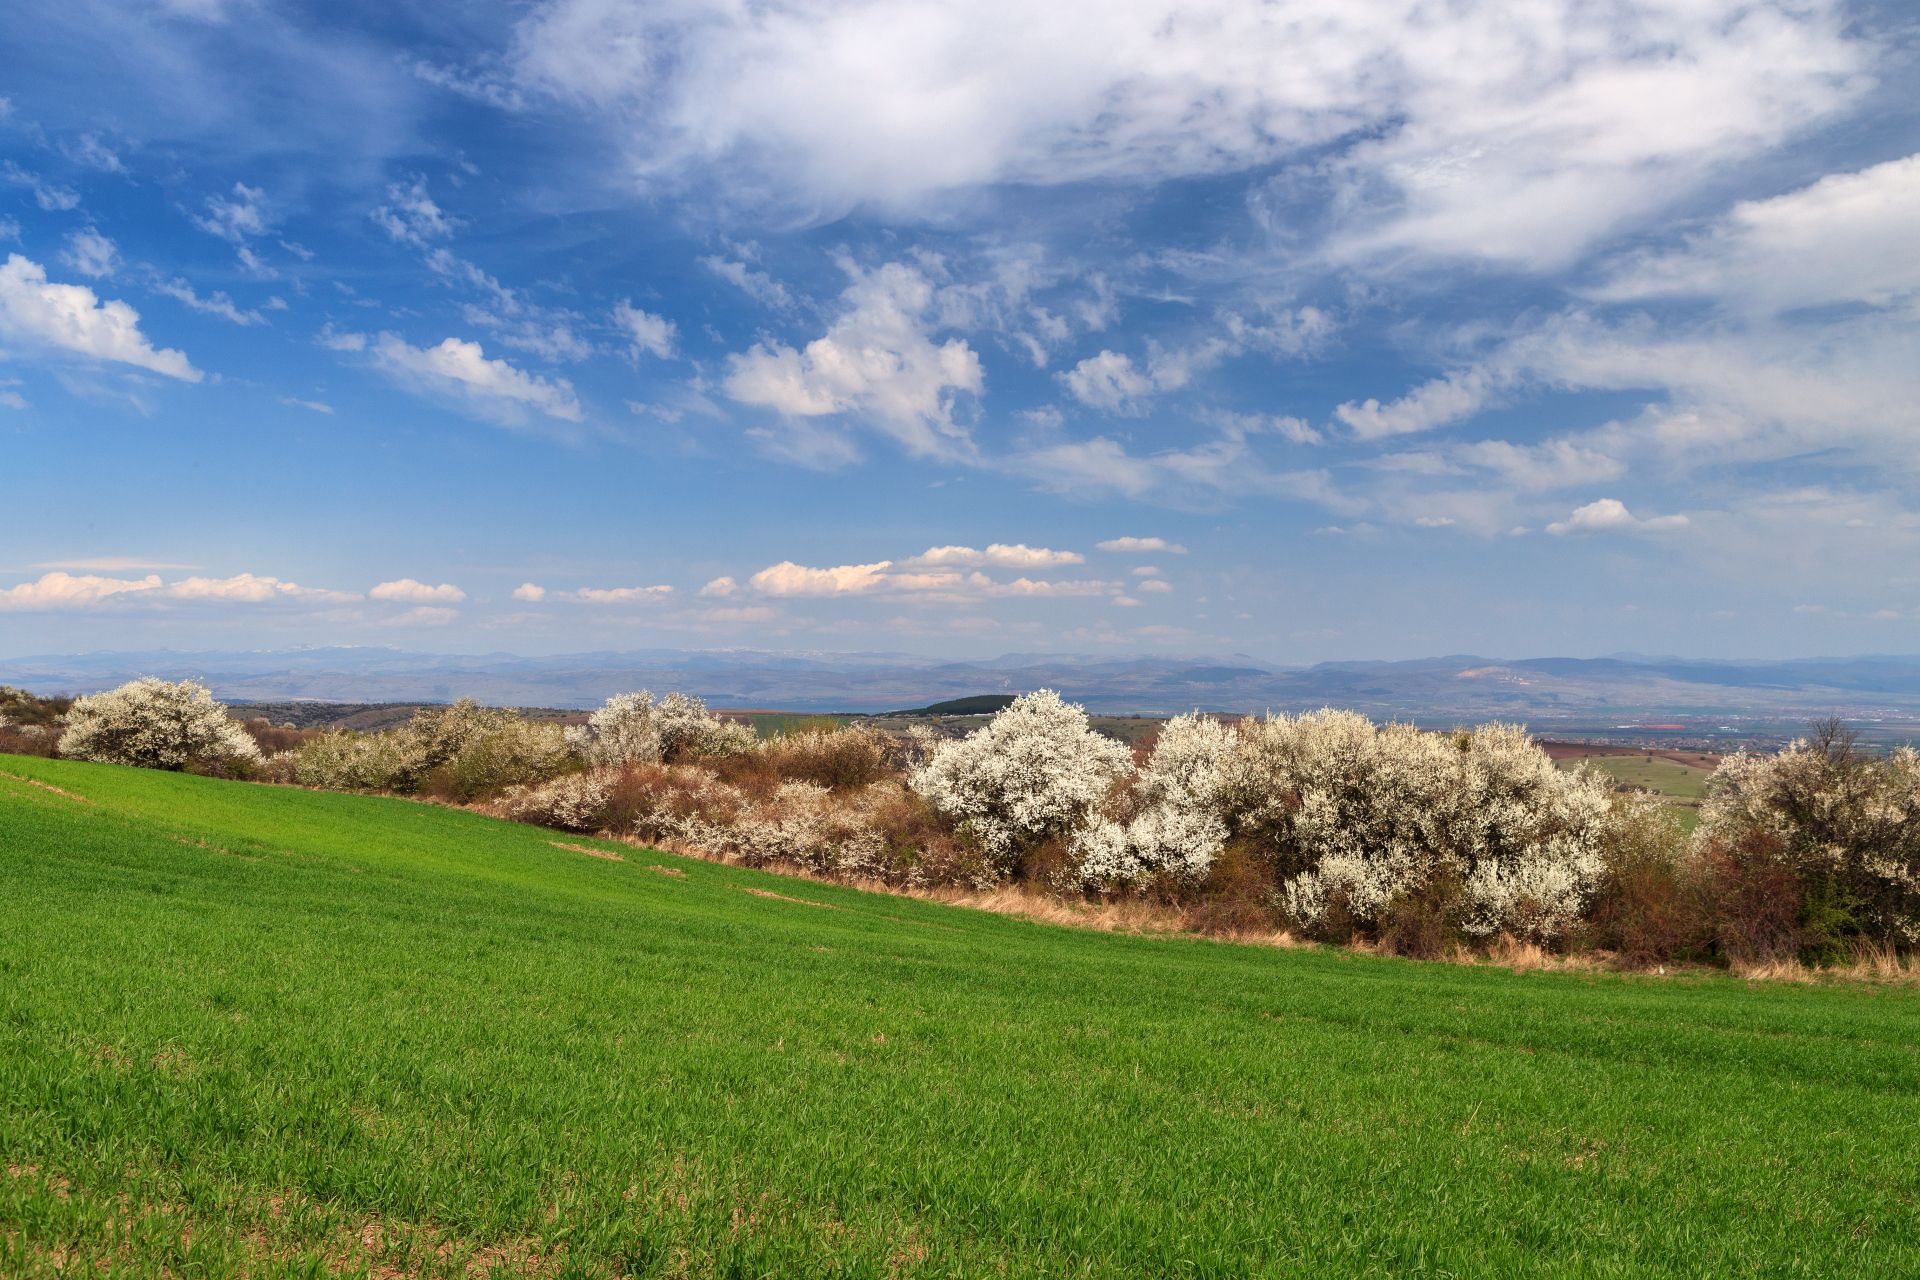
{"type": "Point", "coordinates": [632, 728]}
{"type": "Point", "coordinates": [1843, 827]}
{"type": "Point", "coordinates": [155, 724]}
{"type": "Point", "coordinates": [573, 802]}
{"type": "Point", "coordinates": [623, 731]}
{"type": "Point", "coordinates": [1383, 828]}
{"type": "Point", "coordinates": [1173, 823]}
{"type": "Point", "coordinates": [461, 752]}
{"type": "Point", "coordinates": [835, 758]}
{"type": "Point", "coordinates": [1034, 773]}
{"type": "Point", "coordinates": [512, 752]}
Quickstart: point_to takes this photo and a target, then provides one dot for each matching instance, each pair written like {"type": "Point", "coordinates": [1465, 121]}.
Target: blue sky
{"type": "Point", "coordinates": [1304, 330]}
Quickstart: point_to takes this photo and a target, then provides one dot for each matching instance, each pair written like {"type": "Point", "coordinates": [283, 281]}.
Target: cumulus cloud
{"type": "Point", "coordinates": [1107, 381]}
{"type": "Point", "coordinates": [646, 333]}
{"type": "Point", "coordinates": [532, 592]}
{"type": "Point", "coordinates": [91, 254]}
{"type": "Point", "coordinates": [411, 591]}
{"type": "Point", "coordinates": [71, 318]}
{"type": "Point", "coordinates": [720, 588]}
{"type": "Point", "coordinates": [1608, 515]}
{"type": "Point", "coordinates": [58, 590]}
{"type": "Point", "coordinates": [790, 579]}
{"type": "Point", "coordinates": [877, 364]}
{"type": "Point", "coordinates": [1142, 544]}
{"type": "Point", "coordinates": [462, 371]}
{"type": "Point", "coordinates": [61, 591]}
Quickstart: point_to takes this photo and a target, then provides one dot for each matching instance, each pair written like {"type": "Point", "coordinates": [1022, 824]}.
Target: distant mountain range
{"type": "Point", "coordinates": [1459, 687]}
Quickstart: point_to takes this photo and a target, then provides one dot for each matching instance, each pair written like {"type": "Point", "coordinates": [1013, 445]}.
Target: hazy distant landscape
{"type": "Point", "coordinates": [1631, 696]}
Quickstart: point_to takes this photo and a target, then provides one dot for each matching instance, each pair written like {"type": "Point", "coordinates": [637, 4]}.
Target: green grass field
{"type": "Point", "coordinates": [1683, 785]}
{"type": "Point", "coordinates": [263, 1031]}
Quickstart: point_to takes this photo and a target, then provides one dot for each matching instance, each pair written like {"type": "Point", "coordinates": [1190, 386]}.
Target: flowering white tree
{"type": "Point", "coordinates": [155, 724]}
{"type": "Point", "coordinates": [687, 728]}
{"type": "Point", "coordinates": [1848, 825]}
{"type": "Point", "coordinates": [622, 731]}
{"type": "Point", "coordinates": [1178, 826]}
{"type": "Point", "coordinates": [1363, 816]}
{"type": "Point", "coordinates": [1036, 771]}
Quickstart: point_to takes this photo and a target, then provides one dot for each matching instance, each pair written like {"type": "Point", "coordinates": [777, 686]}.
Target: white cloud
{"type": "Point", "coordinates": [758, 285]}
{"type": "Point", "coordinates": [530, 591]}
{"type": "Point", "coordinates": [1012, 556]}
{"type": "Point", "coordinates": [1142, 544]}
{"type": "Point", "coordinates": [91, 254]}
{"type": "Point", "coordinates": [1847, 238]}
{"type": "Point", "coordinates": [1153, 584]}
{"type": "Point", "coordinates": [248, 588]}
{"type": "Point", "coordinates": [215, 304]}
{"type": "Point", "coordinates": [317, 406]}
{"type": "Point", "coordinates": [50, 197]}
{"type": "Point", "coordinates": [1458, 395]}
{"type": "Point", "coordinates": [720, 588]}
{"type": "Point", "coordinates": [90, 151]}
{"type": "Point", "coordinates": [69, 317]}
{"type": "Point", "coordinates": [1108, 381]}
{"type": "Point", "coordinates": [876, 362]}
{"type": "Point", "coordinates": [619, 595]}
{"type": "Point", "coordinates": [1611, 515]}
{"type": "Point", "coordinates": [790, 579]}
{"type": "Point", "coordinates": [59, 591]}
{"type": "Point", "coordinates": [235, 217]}
{"type": "Point", "coordinates": [1515, 134]}
{"type": "Point", "coordinates": [410, 215]}
{"type": "Point", "coordinates": [411, 591]}
{"type": "Point", "coordinates": [494, 388]}
{"type": "Point", "coordinates": [645, 331]}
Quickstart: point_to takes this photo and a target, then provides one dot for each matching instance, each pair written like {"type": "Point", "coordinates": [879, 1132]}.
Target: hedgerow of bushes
{"type": "Point", "coordinates": [1324, 823]}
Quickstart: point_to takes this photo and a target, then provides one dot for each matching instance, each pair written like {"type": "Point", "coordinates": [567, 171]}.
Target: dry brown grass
{"type": "Point", "coordinates": [1872, 963]}
{"type": "Point", "coordinates": [589, 850]}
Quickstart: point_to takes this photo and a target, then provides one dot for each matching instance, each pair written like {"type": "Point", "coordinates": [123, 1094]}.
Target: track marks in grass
{"type": "Point", "coordinates": [62, 792]}
{"type": "Point", "coordinates": [782, 897]}
{"type": "Point", "coordinates": [589, 850]}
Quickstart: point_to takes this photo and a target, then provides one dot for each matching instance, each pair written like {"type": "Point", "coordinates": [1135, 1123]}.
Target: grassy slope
{"type": "Point", "coordinates": [329, 1032]}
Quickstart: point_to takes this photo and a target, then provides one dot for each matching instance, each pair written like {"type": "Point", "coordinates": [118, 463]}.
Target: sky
{"type": "Point", "coordinates": [1303, 330]}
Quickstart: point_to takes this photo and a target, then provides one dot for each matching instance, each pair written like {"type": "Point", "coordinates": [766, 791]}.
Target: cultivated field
{"type": "Point", "coordinates": [1681, 777]}
{"type": "Point", "coordinates": [260, 1030]}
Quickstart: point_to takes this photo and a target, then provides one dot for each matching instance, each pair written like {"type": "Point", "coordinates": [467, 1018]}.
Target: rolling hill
{"type": "Point", "coordinates": [266, 1031]}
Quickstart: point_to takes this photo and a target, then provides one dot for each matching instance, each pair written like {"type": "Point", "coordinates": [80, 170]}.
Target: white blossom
{"type": "Point", "coordinates": [155, 724]}
{"type": "Point", "coordinates": [1036, 771]}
